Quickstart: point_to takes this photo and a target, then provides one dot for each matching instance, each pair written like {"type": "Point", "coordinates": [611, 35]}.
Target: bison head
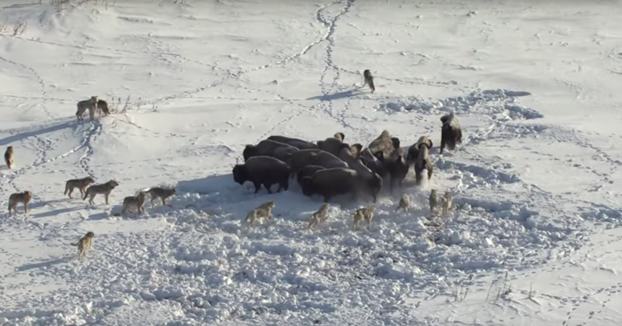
{"type": "Point", "coordinates": [239, 174]}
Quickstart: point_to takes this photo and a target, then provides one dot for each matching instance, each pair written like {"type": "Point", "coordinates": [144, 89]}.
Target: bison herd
{"type": "Point", "coordinates": [333, 167]}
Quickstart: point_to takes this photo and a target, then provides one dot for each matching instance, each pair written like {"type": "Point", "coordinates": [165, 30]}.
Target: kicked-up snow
{"type": "Point", "coordinates": [535, 225]}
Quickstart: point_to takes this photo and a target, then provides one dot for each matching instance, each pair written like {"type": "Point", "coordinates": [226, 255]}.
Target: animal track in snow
{"type": "Point", "coordinates": [233, 75]}
{"type": "Point", "coordinates": [331, 25]}
{"type": "Point", "coordinates": [487, 176]}
{"type": "Point", "coordinates": [89, 136]}
{"type": "Point", "coordinates": [39, 81]}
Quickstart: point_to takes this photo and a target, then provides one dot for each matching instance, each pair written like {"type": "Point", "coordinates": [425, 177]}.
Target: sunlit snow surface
{"type": "Point", "coordinates": [535, 87]}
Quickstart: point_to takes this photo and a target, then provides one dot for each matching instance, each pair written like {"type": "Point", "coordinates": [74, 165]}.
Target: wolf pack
{"type": "Point", "coordinates": [86, 185]}
{"type": "Point", "coordinates": [328, 168]}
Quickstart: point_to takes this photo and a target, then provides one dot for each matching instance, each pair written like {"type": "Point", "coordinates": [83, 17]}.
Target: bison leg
{"type": "Point", "coordinates": [267, 186]}
{"type": "Point", "coordinates": [257, 186]}
{"type": "Point", "coordinates": [326, 198]}
{"type": "Point", "coordinates": [442, 145]}
{"type": "Point", "coordinates": [286, 184]}
{"type": "Point", "coordinates": [283, 185]}
{"type": "Point", "coordinates": [391, 185]}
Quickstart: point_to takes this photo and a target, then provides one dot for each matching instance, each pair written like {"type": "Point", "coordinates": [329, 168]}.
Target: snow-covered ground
{"type": "Point", "coordinates": [536, 87]}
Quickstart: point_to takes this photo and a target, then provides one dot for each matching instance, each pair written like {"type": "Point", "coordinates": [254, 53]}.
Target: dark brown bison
{"type": "Point", "coordinates": [262, 170]}
{"type": "Point", "coordinates": [451, 132]}
{"type": "Point", "coordinates": [271, 148]}
{"type": "Point", "coordinates": [339, 181]}
{"type": "Point", "coordinates": [298, 143]}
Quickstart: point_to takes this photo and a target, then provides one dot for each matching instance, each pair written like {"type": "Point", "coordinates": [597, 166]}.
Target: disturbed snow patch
{"type": "Point", "coordinates": [217, 270]}
{"type": "Point", "coordinates": [477, 176]}
{"type": "Point", "coordinates": [499, 103]}
{"type": "Point", "coordinates": [210, 268]}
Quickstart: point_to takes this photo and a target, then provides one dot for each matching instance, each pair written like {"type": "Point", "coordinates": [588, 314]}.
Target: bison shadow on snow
{"type": "Point", "coordinates": [224, 186]}
{"type": "Point", "coordinates": [221, 190]}
{"type": "Point", "coordinates": [214, 184]}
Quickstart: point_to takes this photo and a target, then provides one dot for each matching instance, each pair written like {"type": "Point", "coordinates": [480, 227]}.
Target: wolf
{"type": "Point", "coordinates": [363, 214]}
{"type": "Point", "coordinates": [368, 80]}
{"type": "Point", "coordinates": [105, 189]}
{"type": "Point", "coordinates": [134, 202]}
{"type": "Point", "coordinates": [262, 211]}
{"type": "Point", "coordinates": [19, 197]}
{"type": "Point", "coordinates": [82, 106]}
{"type": "Point", "coordinates": [162, 193]}
{"type": "Point", "coordinates": [86, 242]}
{"type": "Point", "coordinates": [8, 157]}
{"type": "Point", "coordinates": [81, 184]}
{"type": "Point", "coordinates": [319, 216]}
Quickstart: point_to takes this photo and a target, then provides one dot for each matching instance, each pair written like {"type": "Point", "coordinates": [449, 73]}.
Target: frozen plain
{"type": "Point", "coordinates": [535, 86]}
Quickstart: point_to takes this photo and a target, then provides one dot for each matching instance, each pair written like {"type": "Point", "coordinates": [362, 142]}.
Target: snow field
{"type": "Point", "coordinates": [192, 83]}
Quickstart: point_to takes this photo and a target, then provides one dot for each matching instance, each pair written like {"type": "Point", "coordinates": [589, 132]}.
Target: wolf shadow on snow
{"type": "Point", "coordinates": [48, 263]}
{"type": "Point", "coordinates": [338, 95]}
{"type": "Point", "coordinates": [38, 132]}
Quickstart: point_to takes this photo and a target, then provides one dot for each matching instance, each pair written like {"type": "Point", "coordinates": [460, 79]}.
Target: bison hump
{"type": "Point", "coordinates": [263, 162]}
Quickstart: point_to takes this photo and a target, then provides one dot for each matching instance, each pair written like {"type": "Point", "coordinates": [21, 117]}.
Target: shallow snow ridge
{"type": "Point", "coordinates": [497, 103]}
